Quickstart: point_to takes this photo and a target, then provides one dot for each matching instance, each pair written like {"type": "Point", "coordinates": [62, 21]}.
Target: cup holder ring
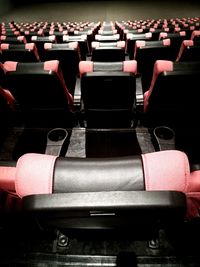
{"type": "Point", "coordinates": [56, 141]}
{"type": "Point", "coordinates": [164, 138]}
{"type": "Point", "coordinates": [57, 135]}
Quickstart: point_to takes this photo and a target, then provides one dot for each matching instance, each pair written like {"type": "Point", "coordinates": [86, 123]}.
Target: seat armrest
{"type": "Point", "coordinates": [108, 209]}
{"type": "Point", "coordinates": [139, 94]}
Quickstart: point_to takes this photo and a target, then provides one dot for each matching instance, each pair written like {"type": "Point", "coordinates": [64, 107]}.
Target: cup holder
{"type": "Point", "coordinates": [164, 138]}
{"type": "Point", "coordinates": [55, 141]}
{"type": "Point", "coordinates": [57, 135]}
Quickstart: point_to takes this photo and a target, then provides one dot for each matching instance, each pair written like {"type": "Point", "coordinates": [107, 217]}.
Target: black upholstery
{"type": "Point", "coordinates": [108, 98]}
{"type": "Point", "coordinates": [40, 94]}
{"type": "Point", "coordinates": [69, 59]}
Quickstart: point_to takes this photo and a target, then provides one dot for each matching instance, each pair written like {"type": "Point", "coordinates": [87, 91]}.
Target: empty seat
{"type": "Point", "coordinates": [40, 92]}
{"type": "Point", "coordinates": [189, 51]}
{"type": "Point", "coordinates": [20, 52]}
{"type": "Point", "coordinates": [176, 40]}
{"type": "Point", "coordinates": [132, 38]}
{"type": "Point", "coordinates": [108, 51]}
{"type": "Point", "coordinates": [82, 41]}
{"type": "Point", "coordinates": [13, 40]}
{"type": "Point", "coordinates": [195, 36]}
{"type": "Point", "coordinates": [107, 38]}
{"type": "Point", "coordinates": [40, 41]}
{"type": "Point", "coordinates": [173, 95]}
{"type": "Point", "coordinates": [108, 93]}
{"type": "Point", "coordinates": [146, 53]}
{"type": "Point", "coordinates": [129, 190]}
{"type": "Point", "coordinates": [69, 56]}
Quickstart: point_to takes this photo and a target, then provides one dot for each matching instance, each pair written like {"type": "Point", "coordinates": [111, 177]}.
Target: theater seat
{"type": "Point", "coordinates": [173, 95]}
{"type": "Point", "coordinates": [101, 193]}
{"type": "Point", "coordinates": [146, 53]}
{"type": "Point", "coordinates": [189, 51]}
{"type": "Point", "coordinates": [40, 92]}
{"type": "Point", "coordinates": [68, 55]}
{"type": "Point", "coordinates": [108, 93]}
{"type": "Point", "coordinates": [20, 52]}
{"type": "Point", "coordinates": [108, 51]}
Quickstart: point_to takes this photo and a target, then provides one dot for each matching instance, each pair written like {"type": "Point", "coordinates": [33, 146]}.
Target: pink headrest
{"type": "Point", "coordinates": [51, 65]}
{"type": "Point", "coordinates": [130, 66]}
{"type": "Point", "coordinates": [65, 38]}
{"type": "Point", "coordinates": [7, 178]}
{"type": "Point", "coordinates": [188, 43]}
{"type": "Point", "coordinates": [121, 44]}
{"type": "Point", "coordinates": [21, 38]}
{"type": "Point", "coordinates": [166, 170]}
{"type": "Point", "coordinates": [162, 35]}
{"type": "Point", "coordinates": [85, 66]}
{"type": "Point", "coordinates": [30, 46]}
{"type": "Point", "coordinates": [148, 35]}
{"type": "Point", "coordinates": [195, 33]}
{"type": "Point", "coordinates": [166, 42]}
{"type": "Point", "coordinates": [34, 174]}
{"type": "Point", "coordinates": [10, 66]}
{"type": "Point", "coordinates": [182, 33]}
{"type": "Point", "coordinates": [4, 46]}
{"type": "Point", "coordinates": [73, 45]}
{"type": "Point", "coordinates": [194, 184]}
{"type": "Point", "coordinates": [139, 43]}
{"type": "Point", "coordinates": [95, 44]}
{"type": "Point", "coordinates": [52, 38]}
{"type": "Point", "coordinates": [3, 37]}
{"type": "Point", "coordinates": [184, 44]}
{"type": "Point", "coordinates": [48, 46]}
{"type": "Point", "coordinates": [34, 38]}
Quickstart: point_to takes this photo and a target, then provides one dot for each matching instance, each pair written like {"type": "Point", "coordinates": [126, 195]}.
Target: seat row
{"type": "Point", "coordinates": [109, 92]}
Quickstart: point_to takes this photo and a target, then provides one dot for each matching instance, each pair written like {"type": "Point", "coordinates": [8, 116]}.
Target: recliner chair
{"type": "Point", "coordinates": [108, 93]}
{"type": "Point", "coordinates": [152, 189]}
{"type": "Point", "coordinates": [40, 93]}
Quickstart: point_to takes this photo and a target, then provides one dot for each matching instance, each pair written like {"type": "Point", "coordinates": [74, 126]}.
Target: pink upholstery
{"type": "Point", "coordinates": [121, 44]}
{"type": "Point", "coordinates": [34, 38]}
{"type": "Point", "coordinates": [166, 170]}
{"type": "Point", "coordinates": [182, 33]}
{"type": "Point", "coordinates": [162, 35]}
{"type": "Point", "coordinates": [51, 65]}
{"type": "Point", "coordinates": [148, 35]}
{"type": "Point", "coordinates": [130, 66]}
{"type": "Point", "coordinates": [9, 97]}
{"type": "Point", "coordinates": [166, 42]}
{"type": "Point", "coordinates": [7, 178]}
{"type": "Point", "coordinates": [52, 38]}
{"type": "Point", "coordinates": [30, 46]}
{"type": "Point", "coordinates": [139, 43]}
{"type": "Point", "coordinates": [95, 44]}
{"type": "Point", "coordinates": [21, 39]}
{"type": "Point", "coordinates": [195, 33]}
{"type": "Point", "coordinates": [184, 44]}
{"type": "Point", "coordinates": [10, 66]}
{"type": "Point", "coordinates": [73, 45]}
{"type": "Point", "coordinates": [3, 37]}
{"type": "Point", "coordinates": [48, 46]}
{"type": "Point", "coordinates": [34, 174]}
{"type": "Point", "coordinates": [193, 205]}
{"type": "Point", "coordinates": [194, 185]}
{"type": "Point", "coordinates": [4, 46]}
{"type": "Point", "coordinates": [159, 67]}
{"type": "Point", "coordinates": [85, 66]}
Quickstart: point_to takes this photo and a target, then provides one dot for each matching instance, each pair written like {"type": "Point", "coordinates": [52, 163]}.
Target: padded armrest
{"type": "Point", "coordinates": [139, 94]}
{"type": "Point", "coordinates": [107, 209]}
